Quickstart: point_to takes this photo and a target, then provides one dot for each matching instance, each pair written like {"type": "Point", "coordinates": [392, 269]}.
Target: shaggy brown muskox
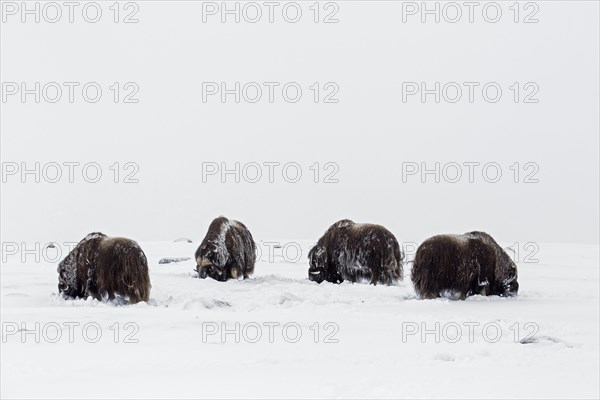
{"type": "Point", "coordinates": [458, 266]}
{"type": "Point", "coordinates": [227, 251]}
{"type": "Point", "coordinates": [356, 252]}
{"type": "Point", "coordinates": [105, 268]}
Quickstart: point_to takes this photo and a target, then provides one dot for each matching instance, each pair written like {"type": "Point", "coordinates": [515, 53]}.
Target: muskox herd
{"type": "Point", "coordinates": [453, 266]}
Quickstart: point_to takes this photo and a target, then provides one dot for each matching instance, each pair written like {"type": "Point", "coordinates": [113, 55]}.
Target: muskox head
{"type": "Point", "coordinates": [317, 259]}
{"type": "Point", "coordinates": [505, 270]}
{"type": "Point", "coordinates": [69, 282]}
{"type": "Point", "coordinates": [66, 272]}
{"type": "Point", "coordinates": [211, 260]}
{"type": "Point", "coordinates": [506, 275]}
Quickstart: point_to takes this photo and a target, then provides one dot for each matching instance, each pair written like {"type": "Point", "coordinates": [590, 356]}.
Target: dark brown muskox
{"type": "Point", "coordinates": [105, 268]}
{"type": "Point", "coordinates": [356, 252]}
{"type": "Point", "coordinates": [457, 266]}
{"type": "Point", "coordinates": [228, 251]}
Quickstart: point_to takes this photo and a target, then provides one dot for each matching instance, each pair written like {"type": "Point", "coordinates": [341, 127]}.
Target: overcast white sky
{"type": "Point", "coordinates": [369, 133]}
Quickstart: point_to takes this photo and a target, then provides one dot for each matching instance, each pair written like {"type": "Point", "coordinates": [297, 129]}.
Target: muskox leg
{"type": "Point", "coordinates": [88, 291]}
{"type": "Point", "coordinates": [248, 268]}
{"type": "Point", "coordinates": [91, 287]}
{"type": "Point", "coordinates": [385, 277]}
{"type": "Point", "coordinates": [236, 271]}
{"type": "Point", "coordinates": [484, 290]}
{"type": "Point", "coordinates": [375, 276]}
{"type": "Point", "coordinates": [333, 275]}
{"type": "Point", "coordinates": [377, 269]}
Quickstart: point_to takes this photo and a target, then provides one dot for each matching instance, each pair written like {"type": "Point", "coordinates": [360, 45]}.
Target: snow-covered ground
{"type": "Point", "coordinates": [296, 338]}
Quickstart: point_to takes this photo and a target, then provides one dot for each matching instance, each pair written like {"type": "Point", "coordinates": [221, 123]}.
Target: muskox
{"type": "Point", "coordinates": [457, 266]}
{"type": "Point", "coordinates": [227, 252]}
{"type": "Point", "coordinates": [105, 268]}
{"type": "Point", "coordinates": [356, 252]}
